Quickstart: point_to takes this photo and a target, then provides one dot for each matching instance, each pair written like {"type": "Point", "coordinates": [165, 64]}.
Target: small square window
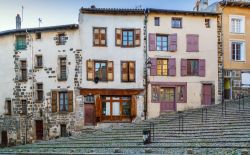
{"type": "Point", "coordinates": [176, 22]}
{"type": "Point", "coordinates": [157, 21]}
{"type": "Point", "coordinates": [38, 35]}
{"type": "Point", "coordinates": [207, 23]}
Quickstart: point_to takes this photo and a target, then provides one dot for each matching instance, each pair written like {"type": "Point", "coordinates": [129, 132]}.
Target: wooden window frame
{"type": "Point", "coordinates": [241, 50]}
{"type": "Point", "coordinates": [176, 18]}
{"type": "Point", "coordinates": [37, 65]}
{"type": "Point", "coordinates": [24, 107]}
{"type": "Point", "coordinates": [60, 78]}
{"type": "Point", "coordinates": [21, 45]}
{"type": "Point", "coordinates": [101, 61]}
{"type": "Point", "coordinates": [24, 71]}
{"type": "Point", "coordinates": [128, 62]}
{"type": "Point", "coordinates": [133, 41]}
{"type": "Point", "coordinates": [157, 21]}
{"type": "Point", "coordinates": [99, 36]}
{"type": "Point", "coordinates": [39, 90]}
{"type": "Point", "coordinates": [38, 35]}
{"type": "Point", "coordinates": [158, 59]}
{"type": "Point", "coordinates": [161, 36]}
{"type": "Point", "coordinates": [8, 107]}
{"type": "Point", "coordinates": [64, 98]}
{"type": "Point", "coordinates": [196, 72]}
{"type": "Point", "coordinates": [208, 23]}
{"type": "Point", "coordinates": [61, 39]}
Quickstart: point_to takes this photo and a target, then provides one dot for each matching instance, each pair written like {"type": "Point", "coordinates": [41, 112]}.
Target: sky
{"type": "Point", "coordinates": [60, 12]}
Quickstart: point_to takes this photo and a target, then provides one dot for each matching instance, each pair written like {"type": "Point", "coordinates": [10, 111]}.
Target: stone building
{"type": "Point", "coordinates": [235, 37]}
{"type": "Point", "coordinates": [182, 47]}
{"type": "Point", "coordinates": [40, 74]}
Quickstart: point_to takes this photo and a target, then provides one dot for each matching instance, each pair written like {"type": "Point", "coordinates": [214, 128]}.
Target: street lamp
{"type": "Point", "coordinates": [148, 65]}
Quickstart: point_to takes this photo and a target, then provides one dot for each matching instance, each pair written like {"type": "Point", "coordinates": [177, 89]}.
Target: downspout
{"type": "Point", "coordinates": [146, 12]}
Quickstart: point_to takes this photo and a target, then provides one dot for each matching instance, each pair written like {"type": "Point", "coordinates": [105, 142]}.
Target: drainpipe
{"type": "Point", "coordinates": [146, 11]}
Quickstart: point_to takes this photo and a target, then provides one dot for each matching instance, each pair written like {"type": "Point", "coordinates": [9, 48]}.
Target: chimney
{"type": "Point", "coordinates": [201, 5]}
{"type": "Point", "coordinates": [92, 7]}
{"type": "Point", "coordinates": [18, 21]}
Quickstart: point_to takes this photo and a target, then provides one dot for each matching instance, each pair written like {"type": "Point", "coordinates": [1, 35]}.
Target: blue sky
{"type": "Point", "coordinates": [59, 12]}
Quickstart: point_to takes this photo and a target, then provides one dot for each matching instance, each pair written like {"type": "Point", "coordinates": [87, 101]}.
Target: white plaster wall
{"type": "Point", "coordinates": [111, 52]}
{"type": "Point", "coordinates": [207, 50]}
{"type": "Point", "coordinates": [7, 69]}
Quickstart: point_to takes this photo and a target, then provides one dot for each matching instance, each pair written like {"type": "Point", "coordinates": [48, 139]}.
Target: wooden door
{"type": "Point", "coordinates": [89, 114]}
{"type": "Point", "coordinates": [206, 94]}
{"type": "Point", "coordinates": [4, 138]}
{"type": "Point", "coordinates": [39, 130]}
{"type": "Point", "coordinates": [167, 96]}
{"type": "Point", "coordinates": [63, 130]}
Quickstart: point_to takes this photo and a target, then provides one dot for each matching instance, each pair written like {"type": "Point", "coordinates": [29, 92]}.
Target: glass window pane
{"type": "Point", "coordinates": [116, 109]}
{"type": "Point", "coordinates": [126, 108]}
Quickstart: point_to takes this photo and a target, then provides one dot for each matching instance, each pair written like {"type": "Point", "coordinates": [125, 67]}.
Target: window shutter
{"type": "Point", "coordinates": [70, 101]}
{"type": "Point", "coordinates": [118, 37]}
{"type": "Point", "coordinates": [152, 42]}
{"type": "Point", "coordinates": [192, 43]}
{"type": "Point", "coordinates": [131, 71]}
{"type": "Point", "coordinates": [172, 67]}
{"type": "Point", "coordinates": [90, 70]}
{"type": "Point", "coordinates": [98, 106]}
{"type": "Point", "coordinates": [95, 36]}
{"type": "Point", "coordinates": [153, 70]}
{"type": "Point", "coordinates": [110, 71]}
{"type": "Point", "coordinates": [172, 42]}
{"type": "Point", "coordinates": [137, 41]}
{"type": "Point", "coordinates": [183, 67]}
{"type": "Point", "coordinates": [124, 71]}
{"type": "Point", "coordinates": [202, 67]}
{"type": "Point", "coordinates": [54, 101]}
{"type": "Point", "coordinates": [133, 107]}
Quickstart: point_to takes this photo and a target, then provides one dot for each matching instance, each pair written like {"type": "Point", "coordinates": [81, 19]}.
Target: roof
{"type": "Point", "coordinates": [238, 3]}
{"type": "Point", "coordinates": [112, 11]}
{"type": "Point", "coordinates": [183, 12]}
{"type": "Point", "coordinates": [40, 29]}
{"type": "Point", "coordinates": [142, 11]}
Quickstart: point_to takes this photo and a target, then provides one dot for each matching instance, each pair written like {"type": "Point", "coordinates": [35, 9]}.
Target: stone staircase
{"type": "Point", "coordinates": [216, 133]}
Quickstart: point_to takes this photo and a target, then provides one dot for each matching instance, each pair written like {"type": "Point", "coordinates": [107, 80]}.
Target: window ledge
{"type": "Point", "coordinates": [38, 101]}
{"type": "Point", "coordinates": [62, 79]}
{"type": "Point", "coordinates": [242, 61]}
{"type": "Point", "coordinates": [38, 67]}
{"type": "Point", "coordinates": [23, 80]}
{"type": "Point", "coordinates": [239, 33]}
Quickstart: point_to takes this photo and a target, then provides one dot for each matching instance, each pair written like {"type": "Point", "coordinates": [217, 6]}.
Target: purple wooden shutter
{"type": "Point", "coordinates": [183, 67]}
{"type": "Point", "coordinates": [192, 43]}
{"type": "Point", "coordinates": [152, 42]}
{"type": "Point", "coordinates": [153, 70]}
{"type": "Point", "coordinates": [172, 42]}
{"type": "Point", "coordinates": [202, 67]}
{"type": "Point", "coordinates": [172, 67]}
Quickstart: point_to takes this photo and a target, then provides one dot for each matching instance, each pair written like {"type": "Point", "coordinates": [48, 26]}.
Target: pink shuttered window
{"type": "Point", "coordinates": [202, 67]}
{"type": "Point", "coordinates": [172, 67]}
{"type": "Point", "coordinates": [153, 70]}
{"type": "Point", "coordinates": [172, 42]}
{"type": "Point", "coordinates": [192, 43]}
{"type": "Point", "coordinates": [183, 67]}
{"type": "Point", "coordinates": [152, 42]}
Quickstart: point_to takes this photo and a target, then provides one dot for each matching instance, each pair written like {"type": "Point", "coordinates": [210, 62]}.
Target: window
{"type": "Point", "coordinates": [237, 24]}
{"type": "Point", "coordinates": [236, 83]}
{"type": "Point", "coordinates": [176, 22]}
{"type": "Point", "coordinates": [38, 35]}
{"type": "Point", "coordinates": [23, 69]}
{"type": "Point", "coordinates": [113, 106]}
{"type": "Point", "coordinates": [192, 67]}
{"type": "Point", "coordinates": [207, 23]}
{"type": "Point", "coordinates": [161, 93]}
{"type": "Point", "coordinates": [101, 71]}
{"type": "Point", "coordinates": [24, 107]}
{"type": "Point", "coordinates": [99, 36]}
{"type": "Point", "coordinates": [39, 91]}
{"type": "Point", "coordinates": [39, 61]}
{"type": "Point", "coordinates": [157, 21]}
{"type": "Point", "coordinates": [162, 67]}
{"type": "Point", "coordinates": [8, 108]}
{"type": "Point", "coordinates": [128, 37]}
{"type": "Point", "coordinates": [63, 100]}
{"type": "Point", "coordinates": [162, 42]}
{"type": "Point", "coordinates": [21, 42]}
{"type": "Point", "coordinates": [128, 71]}
{"type": "Point", "coordinates": [192, 42]}
{"type": "Point", "coordinates": [238, 51]}
{"type": "Point", "coordinates": [61, 38]}
{"type": "Point", "coordinates": [63, 69]}
{"type": "Point", "coordinates": [89, 99]}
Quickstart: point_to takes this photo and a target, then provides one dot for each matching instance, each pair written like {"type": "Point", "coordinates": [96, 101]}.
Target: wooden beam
{"type": "Point", "coordinates": [110, 92]}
